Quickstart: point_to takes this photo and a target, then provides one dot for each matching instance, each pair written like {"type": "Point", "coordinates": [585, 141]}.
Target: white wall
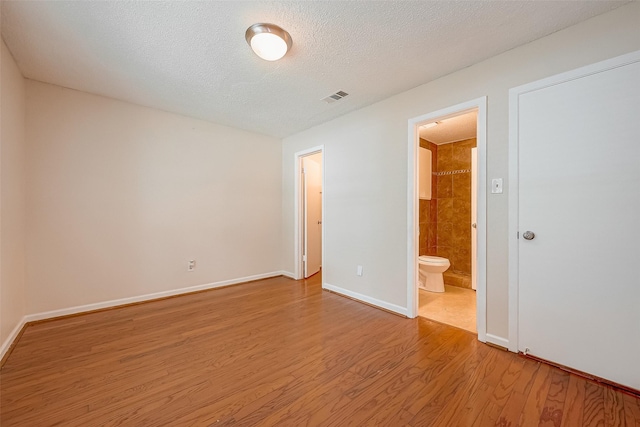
{"type": "Point", "coordinates": [12, 197]}
{"type": "Point", "coordinates": [120, 197]}
{"type": "Point", "coordinates": [366, 162]}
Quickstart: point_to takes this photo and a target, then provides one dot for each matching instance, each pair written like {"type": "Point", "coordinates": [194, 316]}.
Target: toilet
{"type": "Point", "coordinates": [430, 269]}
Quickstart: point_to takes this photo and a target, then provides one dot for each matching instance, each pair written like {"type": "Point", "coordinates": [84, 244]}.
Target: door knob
{"type": "Point", "coordinates": [528, 235]}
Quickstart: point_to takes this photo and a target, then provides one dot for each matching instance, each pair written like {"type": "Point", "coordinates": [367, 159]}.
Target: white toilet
{"type": "Point", "coordinates": [430, 269]}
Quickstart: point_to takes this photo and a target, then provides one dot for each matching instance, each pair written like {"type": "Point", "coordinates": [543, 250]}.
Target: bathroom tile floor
{"type": "Point", "coordinates": [455, 306]}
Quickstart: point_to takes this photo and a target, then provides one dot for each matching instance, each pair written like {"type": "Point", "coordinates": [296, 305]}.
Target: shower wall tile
{"type": "Point", "coordinates": [434, 208]}
{"type": "Point", "coordinates": [461, 209]}
{"type": "Point", "coordinates": [461, 154]}
{"type": "Point", "coordinates": [445, 210]}
{"type": "Point", "coordinates": [451, 209]}
{"type": "Point", "coordinates": [445, 234]}
{"type": "Point", "coordinates": [457, 279]}
{"type": "Point", "coordinates": [444, 252]}
{"type": "Point", "coordinates": [434, 168]}
{"type": "Point", "coordinates": [445, 157]}
{"type": "Point", "coordinates": [424, 231]}
{"type": "Point", "coordinates": [444, 187]}
{"type": "Point", "coordinates": [432, 239]}
{"type": "Point", "coordinates": [424, 211]}
{"type": "Point", "coordinates": [461, 185]}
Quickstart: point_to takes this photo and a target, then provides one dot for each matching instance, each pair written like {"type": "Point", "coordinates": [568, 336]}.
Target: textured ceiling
{"type": "Point", "coordinates": [191, 57]}
{"type": "Point", "coordinates": [452, 129]}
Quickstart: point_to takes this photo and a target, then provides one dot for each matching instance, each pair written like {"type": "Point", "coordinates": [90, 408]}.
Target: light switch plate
{"type": "Point", "coordinates": [496, 186]}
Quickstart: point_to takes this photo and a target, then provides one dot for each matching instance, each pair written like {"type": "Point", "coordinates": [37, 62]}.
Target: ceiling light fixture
{"type": "Point", "coordinates": [268, 41]}
{"type": "Point", "coordinates": [430, 125]}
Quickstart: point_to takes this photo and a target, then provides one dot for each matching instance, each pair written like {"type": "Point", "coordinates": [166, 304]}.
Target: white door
{"type": "Point", "coordinates": [312, 179]}
{"type": "Point", "coordinates": [578, 142]}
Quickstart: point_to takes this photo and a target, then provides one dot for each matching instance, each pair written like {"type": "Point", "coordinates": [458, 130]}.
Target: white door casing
{"type": "Point", "coordinates": [298, 205]}
{"type": "Point", "coordinates": [479, 104]}
{"type": "Point", "coordinates": [312, 179]}
{"type": "Point", "coordinates": [575, 183]}
{"type": "Point", "coordinates": [474, 218]}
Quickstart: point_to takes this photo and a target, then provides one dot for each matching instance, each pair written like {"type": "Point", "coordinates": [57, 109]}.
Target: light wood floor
{"type": "Point", "coordinates": [455, 306]}
{"type": "Point", "coordinates": [286, 353]}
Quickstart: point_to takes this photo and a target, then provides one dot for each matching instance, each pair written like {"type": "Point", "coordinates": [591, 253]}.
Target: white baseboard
{"type": "Point", "coordinates": [288, 274]}
{"type": "Point", "coordinates": [369, 300]}
{"type": "Point", "coordinates": [147, 297]}
{"type": "Point", "coordinates": [123, 301]}
{"type": "Point", "coordinates": [6, 345]}
{"type": "Point", "coordinates": [499, 341]}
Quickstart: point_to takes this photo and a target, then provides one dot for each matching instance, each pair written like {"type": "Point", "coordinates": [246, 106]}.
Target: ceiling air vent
{"type": "Point", "coordinates": [335, 97]}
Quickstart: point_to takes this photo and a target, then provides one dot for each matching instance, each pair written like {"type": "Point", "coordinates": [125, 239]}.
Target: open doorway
{"type": "Point", "coordinates": [309, 212]}
{"type": "Point", "coordinates": [446, 218]}
{"type": "Point", "coordinates": [447, 254]}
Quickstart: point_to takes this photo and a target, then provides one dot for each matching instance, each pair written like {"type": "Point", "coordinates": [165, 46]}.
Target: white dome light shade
{"type": "Point", "coordinates": [268, 46]}
{"type": "Point", "coordinates": [268, 41]}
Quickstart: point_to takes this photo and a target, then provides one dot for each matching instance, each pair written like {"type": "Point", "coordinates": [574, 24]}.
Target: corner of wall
{"type": "Point", "coordinates": [12, 200]}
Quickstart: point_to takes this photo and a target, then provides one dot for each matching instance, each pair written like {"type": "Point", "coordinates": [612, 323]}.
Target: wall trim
{"type": "Point", "coordinates": [366, 299]}
{"type": "Point", "coordinates": [496, 340]}
{"type": "Point", "coordinates": [147, 297]}
{"type": "Point", "coordinates": [9, 342]}
{"type": "Point", "coordinates": [298, 225]}
{"type": "Point", "coordinates": [289, 274]}
{"type": "Point", "coordinates": [479, 104]}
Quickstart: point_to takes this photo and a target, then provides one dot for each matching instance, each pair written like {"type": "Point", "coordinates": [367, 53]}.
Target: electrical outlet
{"type": "Point", "coordinates": [359, 270]}
{"type": "Point", "coordinates": [191, 265]}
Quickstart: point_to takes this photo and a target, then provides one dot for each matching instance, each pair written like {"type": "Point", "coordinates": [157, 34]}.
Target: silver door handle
{"type": "Point", "coordinates": [528, 235]}
{"type": "Point", "coordinates": [473, 225]}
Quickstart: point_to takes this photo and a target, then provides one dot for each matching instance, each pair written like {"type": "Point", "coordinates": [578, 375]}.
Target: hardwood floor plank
{"type": "Point", "coordinates": [574, 402]}
{"type": "Point", "coordinates": [280, 352]}
{"type": "Point", "coordinates": [537, 396]}
{"type": "Point", "coordinates": [474, 406]}
{"type": "Point", "coordinates": [501, 366]}
{"type": "Point", "coordinates": [553, 410]}
{"type": "Point", "coordinates": [503, 389]}
{"type": "Point", "coordinates": [593, 412]}
{"type": "Point", "coordinates": [315, 405]}
{"type": "Point", "coordinates": [488, 415]}
{"type": "Point", "coordinates": [513, 407]}
{"type": "Point", "coordinates": [463, 402]}
{"type": "Point", "coordinates": [459, 384]}
{"type": "Point", "coordinates": [613, 408]}
{"type": "Point", "coordinates": [631, 410]}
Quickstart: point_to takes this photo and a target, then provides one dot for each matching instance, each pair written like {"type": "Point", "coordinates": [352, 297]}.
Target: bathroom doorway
{"type": "Point", "coordinates": [448, 225]}
{"type": "Point", "coordinates": [309, 212]}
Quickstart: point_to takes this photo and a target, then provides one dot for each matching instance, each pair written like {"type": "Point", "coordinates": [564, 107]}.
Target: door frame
{"type": "Point", "coordinates": [513, 212]}
{"type": "Point", "coordinates": [298, 205]}
{"type": "Point", "coordinates": [479, 104]}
